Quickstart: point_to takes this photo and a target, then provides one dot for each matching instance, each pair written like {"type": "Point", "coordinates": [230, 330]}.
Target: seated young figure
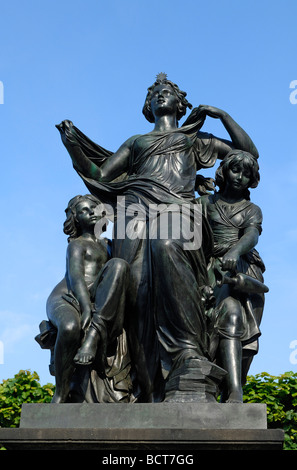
{"type": "Point", "coordinates": [87, 306]}
{"type": "Point", "coordinates": [236, 270]}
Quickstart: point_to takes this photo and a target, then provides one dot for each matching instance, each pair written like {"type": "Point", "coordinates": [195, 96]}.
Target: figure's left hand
{"type": "Point", "coordinates": [212, 111]}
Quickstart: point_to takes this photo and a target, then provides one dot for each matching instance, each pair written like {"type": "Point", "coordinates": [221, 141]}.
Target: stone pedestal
{"type": "Point", "coordinates": [175, 427]}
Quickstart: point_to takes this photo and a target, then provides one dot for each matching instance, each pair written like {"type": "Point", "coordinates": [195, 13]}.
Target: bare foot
{"type": "Point", "coordinates": [84, 358]}
{"type": "Point", "coordinates": [235, 397]}
{"type": "Point", "coordinates": [87, 352]}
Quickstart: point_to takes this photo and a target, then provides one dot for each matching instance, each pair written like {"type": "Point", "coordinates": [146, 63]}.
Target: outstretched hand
{"type": "Point", "coordinates": [64, 126]}
{"type": "Point", "coordinates": [65, 129]}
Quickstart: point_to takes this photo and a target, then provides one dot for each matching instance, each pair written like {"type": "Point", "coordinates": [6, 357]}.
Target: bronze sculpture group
{"type": "Point", "coordinates": [147, 317]}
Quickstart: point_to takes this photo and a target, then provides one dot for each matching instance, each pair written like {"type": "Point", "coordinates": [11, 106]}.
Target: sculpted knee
{"type": "Point", "coordinates": [231, 319]}
{"type": "Point", "coordinates": [70, 331]}
{"type": "Point", "coordinates": [235, 320]}
{"type": "Point", "coordinates": [119, 266]}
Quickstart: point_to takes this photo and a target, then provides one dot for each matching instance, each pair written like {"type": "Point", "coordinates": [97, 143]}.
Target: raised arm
{"type": "Point", "coordinates": [239, 138]}
{"type": "Point", "coordinates": [113, 166]}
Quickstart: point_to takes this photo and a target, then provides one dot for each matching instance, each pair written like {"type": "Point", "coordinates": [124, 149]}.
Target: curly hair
{"type": "Point", "coordinates": [70, 226]}
{"type": "Point", "coordinates": [183, 103]}
{"type": "Point", "coordinates": [233, 157]}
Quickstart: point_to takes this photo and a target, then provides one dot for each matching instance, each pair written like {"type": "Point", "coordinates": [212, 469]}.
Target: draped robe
{"type": "Point", "coordinates": [165, 319]}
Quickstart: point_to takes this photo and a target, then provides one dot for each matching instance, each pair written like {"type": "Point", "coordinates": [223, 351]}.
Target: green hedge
{"type": "Point", "coordinates": [278, 392]}
{"type": "Point", "coordinates": [280, 395]}
{"type": "Point", "coordinates": [23, 388]}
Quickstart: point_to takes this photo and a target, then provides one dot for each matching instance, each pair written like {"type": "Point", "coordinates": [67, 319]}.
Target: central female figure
{"type": "Point", "coordinates": [165, 318]}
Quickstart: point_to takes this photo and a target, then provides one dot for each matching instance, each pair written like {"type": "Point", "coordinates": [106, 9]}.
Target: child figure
{"type": "Point", "coordinates": [236, 270]}
{"type": "Point", "coordinates": [88, 305]}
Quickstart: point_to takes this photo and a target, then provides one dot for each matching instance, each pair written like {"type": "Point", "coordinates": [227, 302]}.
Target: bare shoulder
{"type": "Point", "coordinates": [76, 247]}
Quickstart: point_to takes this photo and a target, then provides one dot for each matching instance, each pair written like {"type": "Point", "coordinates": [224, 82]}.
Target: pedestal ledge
{"type": "Point", "coordinates": [158, 426]}
{"type": "Point", "coordinates": [144, 416]}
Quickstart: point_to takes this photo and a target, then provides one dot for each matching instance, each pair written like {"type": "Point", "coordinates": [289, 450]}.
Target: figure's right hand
{"type": "Point", "coordinates": [230, 260]}
{"type": "Point", "coordinates": [211, 111]}
{"type": "Point", "coordinates": [86, 319]}
{"type": "Point", "coordinates": [64, 126]}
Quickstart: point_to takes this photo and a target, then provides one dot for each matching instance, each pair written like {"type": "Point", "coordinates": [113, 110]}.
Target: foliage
{"type": "Point", "coordinates": [280, 395]}
{"type": "Point", "coordinates": [23, 388]}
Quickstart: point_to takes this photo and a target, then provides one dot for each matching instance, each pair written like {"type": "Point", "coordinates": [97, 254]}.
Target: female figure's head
{"type": "Point", "coordinates": [81, 215]}
{"type": "Point", "coordinates": [162, 83]}
{"type": "Point", "coordinates": [238, 171]}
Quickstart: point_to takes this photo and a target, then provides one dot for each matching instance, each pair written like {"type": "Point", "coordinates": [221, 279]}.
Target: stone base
{"type": "Point", "coordinates": [143, 416]}
{"type": "Point", "coordinates": [178, 440]}
{"type": "Point", "coordinates": [189, 427]}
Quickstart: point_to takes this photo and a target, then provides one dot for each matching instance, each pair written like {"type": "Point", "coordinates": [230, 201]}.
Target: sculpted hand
{"type": "Point", "coordinates": [212, 111]}
{"type": "Point", "coordinates": [65, 127]}
{"type": "Point", "coordinates": [229, 261]}
{"type": "Point", "coordinates": [86, 319]}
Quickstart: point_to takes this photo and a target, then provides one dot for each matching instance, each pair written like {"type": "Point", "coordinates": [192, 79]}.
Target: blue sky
{"type": "Point", "coordinates": [91, 62]}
